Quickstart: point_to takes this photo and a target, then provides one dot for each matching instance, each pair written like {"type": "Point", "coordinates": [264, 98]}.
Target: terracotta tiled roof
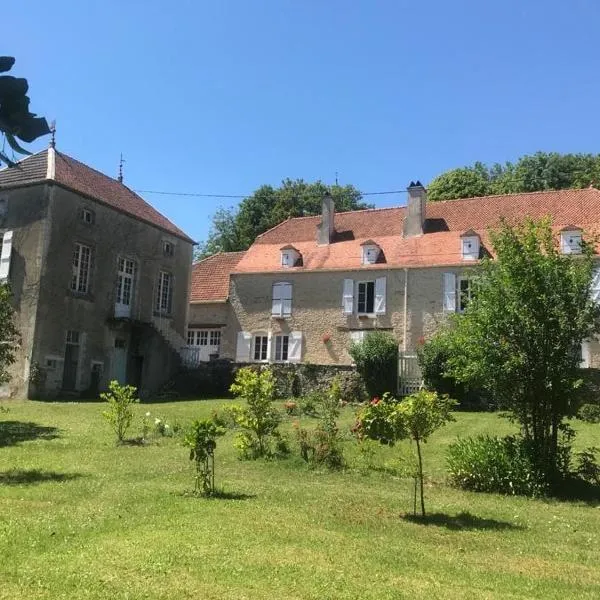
{"type": "Point", "coordinates": [210, 277]}
{"type": "Point", "coordinates": [83, 179]}
{"type": "Point", "coordinates": [440, 244]}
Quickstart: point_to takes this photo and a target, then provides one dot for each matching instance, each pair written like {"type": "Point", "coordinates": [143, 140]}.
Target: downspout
{"type": "Point", "coordinates": [405, 310]}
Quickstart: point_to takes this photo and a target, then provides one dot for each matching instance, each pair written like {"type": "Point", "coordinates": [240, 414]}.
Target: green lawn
{"type": "Point", "coordinates": [81, 518]}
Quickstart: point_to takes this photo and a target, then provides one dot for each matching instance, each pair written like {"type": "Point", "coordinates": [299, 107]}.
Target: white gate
{"type": "Point", "coordinates": [410, 379]}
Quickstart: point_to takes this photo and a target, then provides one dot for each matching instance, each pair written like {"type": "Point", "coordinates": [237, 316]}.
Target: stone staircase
{"type": "Point", "coordinates": [188, 355]}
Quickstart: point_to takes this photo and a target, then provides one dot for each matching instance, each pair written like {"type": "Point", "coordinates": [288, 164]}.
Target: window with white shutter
{"type": "Point", "coordinates": [260, 352]}
{"type": "Point", "coordinates": [365, 304]}
{"type": "Point", "coordinates": [5, 256]}
{"type": "Point", "coordinates": [282, 343]}
{"type": "Point", "coordinates": [595, 287]}
{"type": "Point", "coordinates": [570, 242]}
{"type": "Point", "coordinates": [295, 346]}
{"type": "Point", "coordinates": [348, 297]}
{"type": "Point", "coordinates": [242, 350]}
{"type": "Point", "coordinates": [380, 285]}
{"type": "Point", "coordinates": [282, 300]}
{"type": "Point", "coordinates": [449, 299]}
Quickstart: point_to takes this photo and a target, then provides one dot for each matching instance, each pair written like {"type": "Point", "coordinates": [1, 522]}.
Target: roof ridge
{"type": "Point", "coordinates": [218, 254]}
{"type": "Point", "coordinates": [341, 212]}
{"type": "Point", "coordinates": [22, 160]}
{"type": "Point", "coordinates": [513, 194]}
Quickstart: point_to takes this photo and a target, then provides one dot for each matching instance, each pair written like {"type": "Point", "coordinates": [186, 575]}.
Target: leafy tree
{"type": "Point", "coordinates": [466, 182]}
{"type": "Point", "coordinates": [236, 229]}
{"type": "Point", "coordinates": [9, 335]}
{"type": "Point", "coordinates": [521, 334]}
{"type": "Point", "coordinates": [531, 173]}
{"type": "Point", "coordinates": [376, 359]}
{"type": "Point", "coordinates": [416, 417]}
{"type": "Point", "coordinates": [15, 119]}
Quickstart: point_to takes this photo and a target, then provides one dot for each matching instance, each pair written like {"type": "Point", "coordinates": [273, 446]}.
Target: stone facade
{"type": "Point", "coordinates": [59, 326]}
{"type": "Point", "coordinates": [317, 309]}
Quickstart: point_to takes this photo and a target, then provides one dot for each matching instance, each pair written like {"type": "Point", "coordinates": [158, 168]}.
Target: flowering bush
{"type": "Point", "coordinates": [291, 407]}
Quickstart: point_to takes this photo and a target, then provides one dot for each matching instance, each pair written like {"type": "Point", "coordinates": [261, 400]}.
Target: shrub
{"type": "Point", "coordinates": [495, 464]}
{"type": "Point", "coordinates": [322, 446]}
{"type": "Point", "coordinates": [587, 467]}
{"type": "Point", "coordinates": [433, 360]}
{"type": "Point", "coordinates": [352, 387]}
{"type": "Point", "coordinates": [376, 359]}
{"type": "Point", "coordinates": [258, 420]}
{"type": "Point", "coordinates": [309, 403]}
{"type": "Point", "coordinates": [201, 439]}
{"type": "Point", "coordinates": [119, 414]}
{"type": "Point", "coordinates": [590, 413]}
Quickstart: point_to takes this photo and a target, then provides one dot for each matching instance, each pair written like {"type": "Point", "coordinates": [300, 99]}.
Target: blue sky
{"type": "Point", "coordinates": [224, 96]}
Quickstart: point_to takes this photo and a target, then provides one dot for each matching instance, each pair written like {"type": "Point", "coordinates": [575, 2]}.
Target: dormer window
{"type": "Point", "coordinates": [290, 257]}
{"type": "Point", "coordinates": [570, 240]}
{"type": "Point", "coordinates": [470, 244]}
{"type": "Point", "coordinates": [370, 252]}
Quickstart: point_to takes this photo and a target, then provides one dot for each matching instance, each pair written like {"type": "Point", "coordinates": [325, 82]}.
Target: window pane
{"type": "Point", "coordinates": [370, 296]}
{"type": "Point", "coordinates": [361, 307]}
{"type": "Point", "coordinates": [284, 347]}
{"type": "Point", "coordinates": [257, 342]}
{"type": "Point", "coordinates": [278, 340]}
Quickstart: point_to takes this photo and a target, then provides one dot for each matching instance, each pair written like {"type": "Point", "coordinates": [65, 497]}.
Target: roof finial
{"type": "Point", "coordinates": [121, 161]}
{"type": "Point", "coordinates": [53, 132]}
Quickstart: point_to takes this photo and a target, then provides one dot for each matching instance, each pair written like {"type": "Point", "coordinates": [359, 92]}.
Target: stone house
{"type": "Point", "coordinates": [210, 333]}
{"type": "Point", "coordinates": [309, 287]}
{"type": "Point", "coordinates": [100, 279]}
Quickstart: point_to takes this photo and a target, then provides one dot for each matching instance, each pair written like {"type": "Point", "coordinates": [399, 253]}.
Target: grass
{"type": "Point", "coordinates": [82, 518]}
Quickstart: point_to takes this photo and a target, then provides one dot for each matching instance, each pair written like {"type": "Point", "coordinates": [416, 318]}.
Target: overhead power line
{"type": "Point", "coordinates": [528, 180]}
{"type": "Point", "coordinates": [199, 195]}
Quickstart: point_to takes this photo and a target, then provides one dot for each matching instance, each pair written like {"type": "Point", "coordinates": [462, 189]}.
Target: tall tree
{"type": "Point", "coordinates": [531, 173]}
{"type": "Point", "coordinates": [520, 337]}
{"type": "Point", "coordinates": [234, 230]}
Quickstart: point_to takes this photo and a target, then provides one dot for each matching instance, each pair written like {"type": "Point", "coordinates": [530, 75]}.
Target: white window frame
{"type": "Point", "coordinates": [264, 347]}
{"type": "Point", "coordinates": [215, 334]}
{"type": "Point", "coordinates": [366, 283]}
{"type": "Point", "coordinates": [163, 302]}
{"type": "Point", "coordinates": [126, 272]}
{"type": "Point", "coordinates": [470, 247]}
{"type": "Point", "coordinates": [570, 242]}
{"type": "Point", "coordinates": [370, 254]}
{"type": "Point", "coordinates": [81, 268]}
{"type": "Point", "coordinates": [459, 292]}
{"type": "Point", "coordinates": [168, 248]}
{"type": "Point", "coordinates": [281, 347]}
{"type": "Point", "coordinates": [87, 216]}
{"type": "Point", "coordinates": [282, 295]}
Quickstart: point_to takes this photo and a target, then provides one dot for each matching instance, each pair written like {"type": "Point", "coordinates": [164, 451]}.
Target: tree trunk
{"type": "Point", "coordinates": [421, 476]}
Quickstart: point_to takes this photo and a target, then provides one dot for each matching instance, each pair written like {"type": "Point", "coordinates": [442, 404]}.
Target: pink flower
{"type": "Point", "coordinates": [375, 401]}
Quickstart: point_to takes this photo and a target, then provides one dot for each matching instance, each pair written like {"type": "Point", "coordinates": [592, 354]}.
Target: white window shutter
{"type": "Point", "coordinates": [5, 256]}
{"type": "Point", "coordinates": [380, 295]}
{"type": "Point", "coordinates": [595, 289]}
{"type": "Point", "coordinates": [244, 342]}
{"type": "Point", "coordinates": [269, 345]}
{"type": "Point", "coordinates": [286, 299]}
{"type": "Point", "coordinates": [449, 292]}
{"type": "Point", "coordinates": [585, 355]}
{"type": "Point", "coordinates": [348, 296]}
{"type": "Point", "coordinates": [276, 308]}
{"type": "Point", "coordinates": [295, 346]}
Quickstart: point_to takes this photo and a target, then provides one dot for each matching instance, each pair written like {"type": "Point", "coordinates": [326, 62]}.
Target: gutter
{"type": "Point", "coordinates": [405, 324]}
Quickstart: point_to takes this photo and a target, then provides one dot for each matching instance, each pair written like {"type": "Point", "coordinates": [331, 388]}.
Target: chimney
{"type": "Point", "coordinates": [325, 227]}
{"type": "Point", "coordinates": [415, 210]}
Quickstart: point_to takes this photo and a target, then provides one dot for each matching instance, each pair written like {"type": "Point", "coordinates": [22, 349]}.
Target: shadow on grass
{"type": "Point", "coordinates": [34, 476]}
{"type": "Point", "coordinates": [577, 490]}
{"type": "Point", "coordinates": [16, 432]}
{"type": "Point", "coordinates": [218, 495]}
{"type": "Point", "coordinates": [461, 521]}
